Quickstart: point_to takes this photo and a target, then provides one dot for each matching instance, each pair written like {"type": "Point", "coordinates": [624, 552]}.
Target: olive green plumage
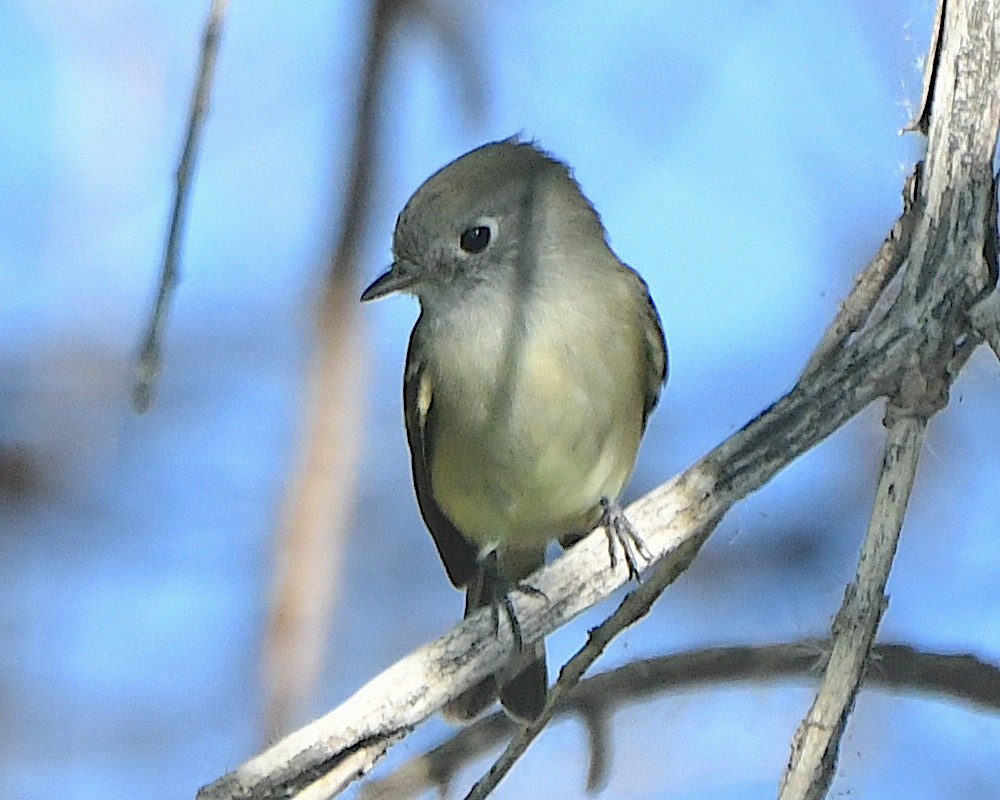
{"type": "Point", "coordinates": [535, 363]}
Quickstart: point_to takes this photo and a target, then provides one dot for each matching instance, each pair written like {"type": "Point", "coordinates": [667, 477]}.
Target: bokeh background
{"type": "Point", "coordinates": [745, 157]}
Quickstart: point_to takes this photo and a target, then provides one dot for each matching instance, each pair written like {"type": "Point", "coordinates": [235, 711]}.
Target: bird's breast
{"type": "Point", "coordinates": [537, 419]}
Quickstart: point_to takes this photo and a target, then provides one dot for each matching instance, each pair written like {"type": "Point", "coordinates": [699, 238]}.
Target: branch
{"type": "Point", "coordinates": [635, 606]}
{"type": "Point", "coordinates": [871, 284]}
{"type": "Point", "coordinates": [911, 353]}
{"type": "Point", "coordinates": [674, 519]}
{"type": "Point", "coordinates": [148, 368]}
{"type": "Point", "coordinates": [894, 666]}
{"type": "Point", "coordinates": [313, 526]}
{"type": "Point", "coordinates": [814, 747]}
{"type": "Point", "coordinates": [959, 112]}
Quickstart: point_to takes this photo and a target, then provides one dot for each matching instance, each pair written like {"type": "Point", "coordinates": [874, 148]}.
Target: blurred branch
{"type": "Point", "coordinates": [816, 742]}
{"type": "Point", "coordinates": [384, 19]}
{"type": "Point", "coordinates": [911, 354]}
{"type": "Point", "coordinates": [148, 368]}
{"type": "Point", "coordinates": [892, 666]}
{"type": "Point", "coordinates": [457, 40]}
{"type": "Point", "coordinates": [315, 516]}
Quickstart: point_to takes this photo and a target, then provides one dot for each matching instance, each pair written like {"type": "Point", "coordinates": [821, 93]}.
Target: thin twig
{"type": "Point", "coordinates": [635, 606]}
{"type": "Point", "coordinates": [961, 677]}
{"type": "Point", "coordinates": [349, 769]}
{"type": "Point", "coordinates": [315, 519]}
{"type": "Point", "coordinates": [909, 353]}
{"type": "Point", "coordinates": [815, 745]}
{"type": "Point", "coordinates": [870, 284]}
{"type": "Point", "coordinates": [148, 367]}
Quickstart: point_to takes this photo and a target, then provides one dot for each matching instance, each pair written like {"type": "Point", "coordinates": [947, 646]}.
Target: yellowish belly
{"type": "Point", "coordinates": [536, 466]}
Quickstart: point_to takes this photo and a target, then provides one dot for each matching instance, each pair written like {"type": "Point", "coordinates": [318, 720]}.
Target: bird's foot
{"type": "Point", "coordinates": [508, 609]}
{"type": "Point", "coordinates": [620, 530]}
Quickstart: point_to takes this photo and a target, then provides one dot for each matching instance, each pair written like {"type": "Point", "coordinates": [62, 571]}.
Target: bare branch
{"type": "Point", "coordinates": [315, 518]}
{"type": "Point", "coordinates": [674, 519]}
{"type": "Point", "coordinates": [815, 745]}
{"type": "Point", "coordinates": [961, 115]}
{"type": "Point", "coordinates": [871, 283]}
{"type": "Point", "coordinates": [921, 118]}
{"type": "Point", "coordinates": [148, 367]}
{"type": "Point", "coordinates": [911, 354]}
{"type": "Point", "coordinates": [892, 666]}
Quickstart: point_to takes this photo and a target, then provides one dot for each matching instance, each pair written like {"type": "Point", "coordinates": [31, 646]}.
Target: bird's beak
{"type": "Point", "coordinates": [399, 277]}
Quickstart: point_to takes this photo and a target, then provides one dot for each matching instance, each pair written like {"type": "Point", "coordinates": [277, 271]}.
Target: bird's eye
{"type": "Point", "coordinates": [475, 240]}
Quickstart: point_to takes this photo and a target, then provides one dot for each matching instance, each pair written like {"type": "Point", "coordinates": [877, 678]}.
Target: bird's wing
{"type": "Point", "coordinates": [655, 344]}
{"type": "Point", "coordinates": [457, 554]}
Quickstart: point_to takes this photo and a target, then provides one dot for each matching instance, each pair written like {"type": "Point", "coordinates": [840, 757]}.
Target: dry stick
{"type": "Point", "coordinates": [315, 514]}
{"type": "Point", "coordinates": [673, 518]}
{"type": "Point", "coordinates": [148, 368]}
{"type": "Point", "coordinates": [926, 322]}
{"type": "Point", "coordinates": [635, 606]}
{"type": "Point", "coordinates": [814, 747]}
{"type": "Point", "coordinates": [960, 677]}
{"type": "Point", "coordinates": [870, 284]}
{"type": "Point", "coordinates": [314, 521]}
{"type": "Point", "coordinates": [358, 763]}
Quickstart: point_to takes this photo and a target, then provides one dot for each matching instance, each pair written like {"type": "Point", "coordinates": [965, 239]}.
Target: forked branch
{"type": "Point", "coordinates": [911, 353]}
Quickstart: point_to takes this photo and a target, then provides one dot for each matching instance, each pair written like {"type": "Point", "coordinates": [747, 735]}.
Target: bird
{"type": "Point", "coordinates": [531, 372]}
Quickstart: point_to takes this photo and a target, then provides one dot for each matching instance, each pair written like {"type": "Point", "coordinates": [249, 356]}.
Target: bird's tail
{"type": "Point", "coordinates": [521, 685]}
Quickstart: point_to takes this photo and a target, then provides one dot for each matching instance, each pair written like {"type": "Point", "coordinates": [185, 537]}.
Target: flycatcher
{"type": "Point", "coordinates": [531, 371]}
